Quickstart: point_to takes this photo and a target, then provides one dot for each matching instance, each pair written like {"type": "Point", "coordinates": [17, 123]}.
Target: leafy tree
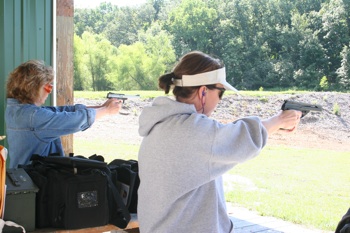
{"type": "Point", "coordinates": [235, 44]}
{"type": "Point", "coordinates": [312, 61]}
{"type": "Point", "coordinates": [165, 7]}
{"type": "Point", "coordinates": [139, 65]}
{"type": "Point", "coordinates": [157, 5]}
{"type": "Point", "coordinates": [306, 6]}
{"type": "Point", "coordinates": [344, 71]}
{"type": "Point", "coordinates": [268, 44]}
{"type": "Point", "coordinates": [78, 62]}
{"type": "Point", "coordinates": [159, 47]}
{"type": "Point", "coordinates": [97, 54]}
{"type": "Point", "coordinates": [127, 22]}
{"type": "Point", "coordinates": [94, 20]}
{"type": "Point", "coordinates": [335, 33]}
{"type": "Point", "coordinates": [324, 86]}
{"type": "Point", "coordinates": [281, 73]}
{"type": "Point", "coordinates": [248, 43]}
{"type": "Point", "coordinates": [131, 72]}
{"type": "Point", "coordinates": [193, 25]}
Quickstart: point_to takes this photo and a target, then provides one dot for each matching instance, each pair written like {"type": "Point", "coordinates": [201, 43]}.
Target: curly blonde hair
{"type": "Point", "coordinates": [24, 82]}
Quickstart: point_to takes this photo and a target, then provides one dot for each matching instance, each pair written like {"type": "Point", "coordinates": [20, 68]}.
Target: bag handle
{"type": "Point", "coordinates": [72, 162]}
{"type": "Point", "coordinates": [130, 164]}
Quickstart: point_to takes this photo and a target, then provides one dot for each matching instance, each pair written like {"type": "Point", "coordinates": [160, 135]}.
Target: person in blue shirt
{"type": "Point", "coordinates": [35, 129]}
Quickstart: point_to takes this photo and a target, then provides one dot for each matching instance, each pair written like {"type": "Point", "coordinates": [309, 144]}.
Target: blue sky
{"type": "Point", "coordinates": [95, 3]}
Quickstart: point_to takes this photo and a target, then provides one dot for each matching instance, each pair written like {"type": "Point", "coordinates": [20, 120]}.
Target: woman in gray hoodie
{"type": "Point", "coordinates": [184, 153]}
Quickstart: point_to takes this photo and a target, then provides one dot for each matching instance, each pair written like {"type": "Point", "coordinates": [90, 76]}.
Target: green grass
{"type": "Point", "coordinates": [304, 186]}
{"type": "Point", "coordinates": [109, 150]}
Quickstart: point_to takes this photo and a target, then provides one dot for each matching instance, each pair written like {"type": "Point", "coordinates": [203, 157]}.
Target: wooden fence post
{"type": "Point", "coordinates": [64, 60]}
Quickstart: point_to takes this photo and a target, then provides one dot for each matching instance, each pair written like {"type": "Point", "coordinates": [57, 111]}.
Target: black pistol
{"type": "Point", "coordinates": [305, 108]}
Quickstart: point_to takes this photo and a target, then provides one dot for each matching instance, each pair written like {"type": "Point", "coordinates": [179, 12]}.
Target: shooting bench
{"type": "Point", "coordinates": [133, 227]}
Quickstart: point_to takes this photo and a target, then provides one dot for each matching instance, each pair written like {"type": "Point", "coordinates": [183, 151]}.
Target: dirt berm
{"type": "Point", "coordinates": [328, 129]}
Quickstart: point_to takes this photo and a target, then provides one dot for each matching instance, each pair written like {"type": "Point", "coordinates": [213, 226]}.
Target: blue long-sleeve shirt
{"type": "Point", "coordinates": [31, 129]}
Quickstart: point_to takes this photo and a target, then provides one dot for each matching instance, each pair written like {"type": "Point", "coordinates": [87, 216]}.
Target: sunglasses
{"type": "Point", "coordinates": [222, 91]}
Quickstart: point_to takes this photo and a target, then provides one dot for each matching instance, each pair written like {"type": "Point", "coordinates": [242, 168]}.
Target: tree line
{"type": "Point", "coordinates": [269, 44]}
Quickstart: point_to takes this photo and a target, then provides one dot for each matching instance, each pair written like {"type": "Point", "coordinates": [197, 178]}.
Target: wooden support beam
{"type": "Point", "coordinates": [64, 60]}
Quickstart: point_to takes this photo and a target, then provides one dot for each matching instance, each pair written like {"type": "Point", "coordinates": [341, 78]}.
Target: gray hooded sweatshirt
{"type": "Point", "coordinates": [182, 158]}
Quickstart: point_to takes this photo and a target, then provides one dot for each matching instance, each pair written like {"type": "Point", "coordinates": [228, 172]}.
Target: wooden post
{"type": "Point", "coordinates": [64, 60]}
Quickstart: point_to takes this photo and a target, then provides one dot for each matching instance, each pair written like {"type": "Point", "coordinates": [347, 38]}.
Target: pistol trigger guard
{"type": "Point", "coordinates": [284, 105]}
{"type": "Point", "coordinates": [304, 113]}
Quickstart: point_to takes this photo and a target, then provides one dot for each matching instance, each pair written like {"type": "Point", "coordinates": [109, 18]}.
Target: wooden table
{"type": "Point", "coordinates": [133, 227]}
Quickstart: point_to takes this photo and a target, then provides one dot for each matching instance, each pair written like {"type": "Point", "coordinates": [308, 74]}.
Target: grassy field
{"type": "Point", "coordinates": [110, 150]}
{"type": "Point", "coordinates": [304, 186]}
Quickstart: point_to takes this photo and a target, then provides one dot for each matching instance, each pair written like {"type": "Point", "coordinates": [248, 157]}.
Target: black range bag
{"type": "Point", "coordinates": [127, 181]}
{"type": "Point", "coordinates": [75, 192]}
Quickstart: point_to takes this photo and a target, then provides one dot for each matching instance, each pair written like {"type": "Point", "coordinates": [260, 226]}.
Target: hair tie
{"type": "Point", "coordinates": [171, 76]}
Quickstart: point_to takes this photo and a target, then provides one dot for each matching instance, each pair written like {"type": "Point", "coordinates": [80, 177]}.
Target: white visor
{"type": "Point", "coordinates": [207, 78]}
